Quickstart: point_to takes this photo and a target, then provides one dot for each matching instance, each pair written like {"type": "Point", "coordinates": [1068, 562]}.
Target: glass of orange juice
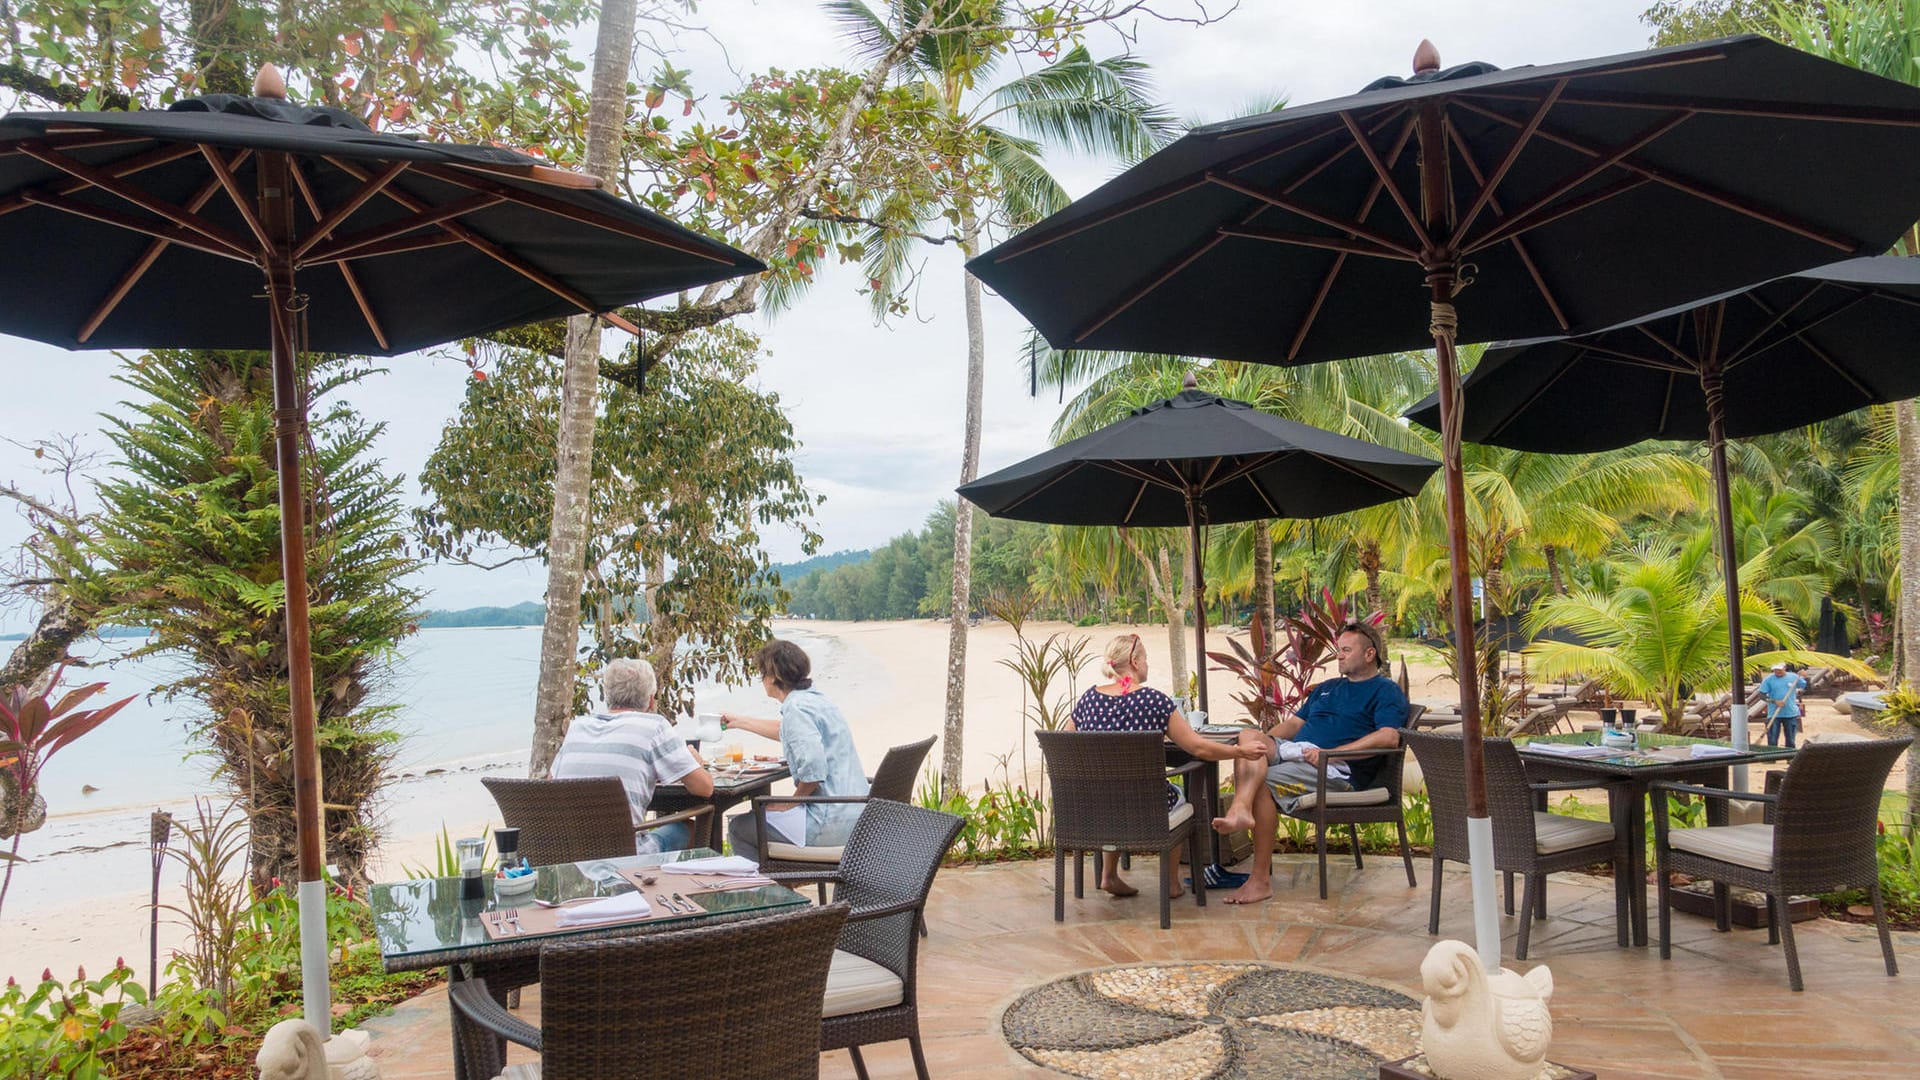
{"type": "Point", "coordinates": [735, 753]}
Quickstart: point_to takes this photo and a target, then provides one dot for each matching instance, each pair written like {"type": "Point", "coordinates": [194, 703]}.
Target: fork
{"type": "Point", "coordinates": [692, 909]}
{"type": "Point", "coordinates": [513, 916]}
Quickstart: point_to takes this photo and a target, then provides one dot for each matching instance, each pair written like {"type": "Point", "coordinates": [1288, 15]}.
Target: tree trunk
{"type": "Point", "coordinates": [1263, 573]}
{"type": "Point", "coordinates": [960, 602]}
{"type": "Point", "coordinates": [1907, 432]}
{"type": "Point", "coordinates": [1160, 581]}
{"type": "Point", "coordinates": [1554, 580]}
{"type": "Point", "coordinates": [33, 661]}
{"type": "Point", "coordinates": [579, 392]}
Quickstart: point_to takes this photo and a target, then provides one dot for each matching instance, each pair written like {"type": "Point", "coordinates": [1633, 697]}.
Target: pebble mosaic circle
{"type": "Point", "coordinates": [1212, 1021]}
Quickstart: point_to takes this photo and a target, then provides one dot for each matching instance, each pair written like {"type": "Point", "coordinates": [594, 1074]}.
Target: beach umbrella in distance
{"type": "Point", "coordinates": [230, 222]}
{"type": "Point", "coordinates": [1475, 204]}
{"type": "Point", "coordinates": [1196, 459]}
{"type": "Point", "coordinates": [1779, 355]}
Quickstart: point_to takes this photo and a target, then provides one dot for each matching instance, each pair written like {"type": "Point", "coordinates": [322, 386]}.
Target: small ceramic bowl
{"type": "Point", "coordinates": [514, 888]}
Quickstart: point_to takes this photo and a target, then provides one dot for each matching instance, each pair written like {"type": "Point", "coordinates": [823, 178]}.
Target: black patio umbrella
{"type": "Point", "coordinates": [1547, 200]}
{"type": "Point", "coordinates": [1197, 459]}
{"type": "Point", "coordinates": [1783, 354]}
{"type": "Point", "coordinates": [249, 223]}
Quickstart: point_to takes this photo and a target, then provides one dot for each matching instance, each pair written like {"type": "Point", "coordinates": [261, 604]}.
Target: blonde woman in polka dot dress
{"type": "Point", "coordinates": [1127, 703]}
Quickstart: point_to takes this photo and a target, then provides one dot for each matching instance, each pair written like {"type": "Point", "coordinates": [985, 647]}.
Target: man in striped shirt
{"type": "Point", "coordinates": [635, 744]}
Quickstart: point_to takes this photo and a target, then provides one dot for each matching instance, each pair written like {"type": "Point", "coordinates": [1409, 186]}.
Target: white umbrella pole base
{"type": "Point", "coordinates": [1480, 1025]}
{"type": "Point", "coordinates": [1486, 911]}
{"type": "Point", "coordinates": [313, 957]}
{"type": "Point", "coordinates": [291, 1051]}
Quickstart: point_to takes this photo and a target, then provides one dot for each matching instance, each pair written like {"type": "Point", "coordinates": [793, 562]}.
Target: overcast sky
{"type": "Point", "coordinates": [879, 409]}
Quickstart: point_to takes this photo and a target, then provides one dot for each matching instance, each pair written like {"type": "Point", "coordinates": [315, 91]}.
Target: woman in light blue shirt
{"type": "Point", "coordinates": [818, 746]}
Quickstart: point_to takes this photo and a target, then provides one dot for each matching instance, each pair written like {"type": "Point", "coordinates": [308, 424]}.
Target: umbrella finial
{"type": "Point", "coordinates": [270, 83]}
{"type": "Point", "coordinates": [1426, 58]}
{"type": "Point", "coordinates": [1191, 382]}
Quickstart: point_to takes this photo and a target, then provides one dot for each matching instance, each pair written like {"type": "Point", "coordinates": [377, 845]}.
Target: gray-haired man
{"type": "Point", "coordinates": [632, 742]}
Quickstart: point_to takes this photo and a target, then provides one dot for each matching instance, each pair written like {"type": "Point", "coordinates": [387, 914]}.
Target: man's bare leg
{"type": "Point", "coordinates": [1110, 875]}
{"type": "Point", "coordinates": [1266, 828]}
{"type": "Point", "coordinates": [1249, 780]}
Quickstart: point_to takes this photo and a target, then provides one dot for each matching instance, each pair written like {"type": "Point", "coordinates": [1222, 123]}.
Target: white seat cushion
{"type": "Point", "coordinates": [797, 853]}
{"type": "Point", "coordinates": [1741, 845]}
{"type": "Point", "coordinates": [856, 984]}
{"type": "Point", "coordinates": [521, 1072]}
{"type": "Point", "coordinates": [1179, 814]}
{"type": "Point", "coordinates": [1557, 832]}
{"type": "Point", "coordinates": [1368, 797]}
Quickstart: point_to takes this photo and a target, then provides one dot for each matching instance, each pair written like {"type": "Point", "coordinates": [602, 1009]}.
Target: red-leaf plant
{"type": "Point", "coordinates": [33, 728]}
{"type": "Point", "coordinates": [1278, 673]}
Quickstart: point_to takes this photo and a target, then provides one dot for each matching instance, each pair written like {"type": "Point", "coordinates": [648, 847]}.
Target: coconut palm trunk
{"type": "Point", "coordinates": [953, 730]}
{"type": "Point", "coordinates": [579, 405]}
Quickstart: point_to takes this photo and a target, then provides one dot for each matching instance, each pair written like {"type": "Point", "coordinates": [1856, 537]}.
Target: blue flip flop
{"type": "Point", "coordinates": [1219, 877]}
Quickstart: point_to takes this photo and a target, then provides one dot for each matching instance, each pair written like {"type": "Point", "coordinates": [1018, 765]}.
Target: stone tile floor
{"type": "Point", "coordinates": [1719, 1010]}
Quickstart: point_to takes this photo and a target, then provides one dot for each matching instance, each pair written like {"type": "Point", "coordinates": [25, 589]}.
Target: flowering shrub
{"type": "Point", "coordinates": [64, 1029]}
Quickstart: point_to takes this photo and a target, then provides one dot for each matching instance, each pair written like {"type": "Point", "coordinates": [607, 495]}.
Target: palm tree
{"type": "Point", "coordinates": [1099, 107]}
{"type": "Point", "coordinates": [1659, 631]}
{"type": "Point", "coordinates": [1883, 37]}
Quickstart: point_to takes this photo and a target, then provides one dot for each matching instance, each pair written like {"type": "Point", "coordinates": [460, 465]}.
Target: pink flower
{"type": "Point", "coordinates": [46, 974]}
{"type": "Point", "coordinates": [80, 972]}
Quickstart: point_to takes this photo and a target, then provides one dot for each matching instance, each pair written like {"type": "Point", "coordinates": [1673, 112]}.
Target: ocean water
{"type": "Point", "coordinates": [465, 695]}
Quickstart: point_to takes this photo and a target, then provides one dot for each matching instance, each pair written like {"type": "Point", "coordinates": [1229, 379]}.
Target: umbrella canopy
{"type": "Point", "coordinates": [1544, 200]}
{"type": "Point", "coordinates": [1787, 353]}
{"type": "Point", "coordinates": [1195, 459]}
{"type": "Point", "coordinates": [159, 229]}
{"type": "Point", "coordinates": [145, 232]}
{"type": "Point", "coordinates": [1782, 354]}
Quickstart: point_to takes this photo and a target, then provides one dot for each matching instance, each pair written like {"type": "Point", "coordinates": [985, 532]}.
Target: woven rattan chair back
{"type": "Point", "coordinates": [1509, 800]}
{"type": "Point", "coordinates": [894, 779]}
{"type": "Point", "coordinates": [563, 821]}
{"type": "Point", "coordinates": [890, 858]}
{"type": "Point", "coordinates": [1829, 811]}
{"type": "Point", "coordinates": [1109, 788]}
{"type": "Point", "coordinates": [740, 999]}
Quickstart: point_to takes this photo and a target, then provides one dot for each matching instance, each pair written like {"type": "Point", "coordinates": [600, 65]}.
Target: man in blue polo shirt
{"type": "Point", "coordinates": [1362, 710]}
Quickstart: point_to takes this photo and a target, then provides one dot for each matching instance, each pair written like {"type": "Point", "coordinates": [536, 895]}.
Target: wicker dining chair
{"type": "Point", "coordinates": [1379, 801]}
{"type": "Point", "coordinates": [739, 999]}
{"type": "Point", "coordinates": [1526, 841]}
{"type": "Point", "coordinates": [574, 819]}
{"type": "Point", "coordinates": [1109, 794]}
{"type": "Point", "coordinates": [1821, 836]}
{"type": "Point", "coordinates": [798, 865]}
{"type": "Point", "coordinates": [885, 873]}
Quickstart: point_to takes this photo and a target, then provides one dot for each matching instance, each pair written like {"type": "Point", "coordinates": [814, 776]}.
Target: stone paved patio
{"type": "Point", "coordinates": [1719, 1009]}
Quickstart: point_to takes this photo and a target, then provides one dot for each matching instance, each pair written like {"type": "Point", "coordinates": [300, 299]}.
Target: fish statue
{"type": "Point", "coordinates": [292, 1050]}
{"type": "Point", "coordinates": [1481, 1026]}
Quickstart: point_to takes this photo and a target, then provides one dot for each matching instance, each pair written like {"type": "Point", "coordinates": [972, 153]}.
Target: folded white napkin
{"type": "Point", "coordinates": [613, 909]}
{"type": "Point", "coordinates": [1710, 750]}
{"type": "Point", "coordinates": [724, 865]}
{"type": "Point", "coordinates": [1579, 750]}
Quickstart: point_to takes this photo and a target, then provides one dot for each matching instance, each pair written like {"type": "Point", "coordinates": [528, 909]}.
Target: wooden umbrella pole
{"type": "Point", "coordinates": [275, 189]}
{"type": "Point", "coordinates": [1199, 599]}
{"type": "Point", "coordinates": [1713, 386]}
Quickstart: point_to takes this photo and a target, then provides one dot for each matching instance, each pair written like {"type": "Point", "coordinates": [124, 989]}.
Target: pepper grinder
{"type": "Point", "coordinates": [507, 843]}
{"type": "Point", "coordinates": [470, 852]}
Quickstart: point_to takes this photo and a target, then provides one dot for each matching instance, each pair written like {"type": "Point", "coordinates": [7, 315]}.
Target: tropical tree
{"type": "Point", "coordinates": [190, 546]}
{"type": "Point", "coordinates": [1658, 631]}
{"type": "Point", "coordinates": [989, 159]}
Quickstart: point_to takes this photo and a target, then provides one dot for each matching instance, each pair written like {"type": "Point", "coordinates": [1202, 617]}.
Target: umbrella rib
{"type": "Point", "coordinates": [345, 246]}
{"type": "Point", "coordinates": [559, 208]}
{"type": "Point", "coordinates": [1153, 282]}
{"type": "Point", "coordinates": [1386, 178]}
{"type": "Point", "coordinates": [325, 224]}
{"type": "Point", "coordinates": [184, 237]}
{"type": "Point", "coordinates": [123, 167]}
{"type": "Point", "coordinates": [331, 220]}
{"type": "Point", "coordinates": [1752, 346]}
{"type": "Point", "coordinates": [1492, 181]}
{"type": "Point", "coordinates": [397, 245]}
{"type": "Point", "coordinates": [107, 182]}
{"type": "Point", "coordinates": [1139, 493]}
{"type": "Point", "coordinates": [1292, 207]}
{"type": "Point", "coordinates": [1690, 187]}
{"type": "Point", "coordinates": [1340, 261]}
{"type": "Point", "coordinates": [1666, 403]}
{"type": "Point", "coordinates": [1258, 461]}
{"type": "Point", "coordinates": [1519, 246]}
{"type": "Point", "coordinates": [544, 174]}
{"type": "Point", "coordinates": [1538, 393]}
{"type": "Point", "coordinates": [494, 251]}
{"type": "Point", "coordinates": [144, 263]}
{"type": "Point", "coordinates": [240, 201]}
{"type": "Point", "coordinates": [1327, 243]}
{"type": "Point", "coordinates": [1763, 110]}
{"type": "Point", "coordinates": [1521, 220]}
{"type": "Point", "coordinates": [1819, 353]}
{"type": "Point", "coordinates": [1072, 468]}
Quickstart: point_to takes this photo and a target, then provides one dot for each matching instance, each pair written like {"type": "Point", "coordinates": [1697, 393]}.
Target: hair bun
{"type": "Point", "coordinates": [803, 684]}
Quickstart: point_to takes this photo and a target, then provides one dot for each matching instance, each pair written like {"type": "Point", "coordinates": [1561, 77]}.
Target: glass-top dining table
{"type": "Point", "coordinates": [424, 923]}
{"type": "Point", "coordinates": [1653, 757]}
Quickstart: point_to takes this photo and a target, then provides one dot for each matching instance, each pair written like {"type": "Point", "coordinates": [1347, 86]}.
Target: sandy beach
{"type": "Point", "coordinates": [86, 902]}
